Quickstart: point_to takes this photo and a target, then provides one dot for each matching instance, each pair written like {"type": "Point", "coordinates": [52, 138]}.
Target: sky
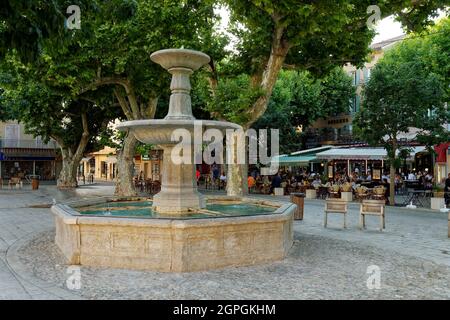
{"type": "Point", "coordinates": [387, 28]}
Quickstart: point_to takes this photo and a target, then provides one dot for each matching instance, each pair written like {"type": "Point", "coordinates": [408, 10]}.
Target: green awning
{"type": "Point", "coordinates": [296, 160]}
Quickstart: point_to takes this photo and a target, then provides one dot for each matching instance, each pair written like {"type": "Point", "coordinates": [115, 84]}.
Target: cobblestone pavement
{"type": "Point", "coordinates": [412, 254]}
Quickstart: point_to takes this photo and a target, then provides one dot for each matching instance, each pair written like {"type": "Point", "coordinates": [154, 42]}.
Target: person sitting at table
{"type": "Point", "coordinates": [222, 181]}
{"type": "Point", "coordinates": [369, 176]}
{"type": "Point", "coordinates": [197, 175]}
{"type": "Point", "coordinates": [250, 182]}
{"type": "Point", "coordinates": [316, 183]}
{"type": "Point", "coordinates": [411, 176]}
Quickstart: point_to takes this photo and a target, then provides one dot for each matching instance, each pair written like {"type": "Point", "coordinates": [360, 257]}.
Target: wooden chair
{"type": "Point", "coordinates": [15, 181]}
{"type": "Point", "coordinates": [334, 191]}
{"type": "Point", "coordinates": [378, 193]}
{"type": "Point", "coordinates": [335, 206]}
{"type": "Point", "coordinates": [374, 208]}
{"type": "Point", "coordinates": [362, 193]}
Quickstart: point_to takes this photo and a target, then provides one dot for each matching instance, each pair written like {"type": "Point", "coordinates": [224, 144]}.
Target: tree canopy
{"type": "Point", "coordinates": [299, 99]}
{"type": "Point", "coordinates": [405, 94]}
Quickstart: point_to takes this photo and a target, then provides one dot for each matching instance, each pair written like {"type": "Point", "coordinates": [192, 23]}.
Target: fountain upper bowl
{"type": "Point", "coordinates": [184, 58]}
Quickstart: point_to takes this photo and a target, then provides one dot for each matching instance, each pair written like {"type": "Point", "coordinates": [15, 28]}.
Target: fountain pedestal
{"type": "Point", "coordinates": [179, 194]}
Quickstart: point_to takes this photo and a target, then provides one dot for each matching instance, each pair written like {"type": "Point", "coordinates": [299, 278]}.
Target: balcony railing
{"type": "Point", "coordinates": [24, 143]}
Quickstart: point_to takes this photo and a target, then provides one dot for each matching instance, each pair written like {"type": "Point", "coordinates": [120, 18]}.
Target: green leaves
{"type": "Point", "coordinates": [406, 93]}
{"type": "Point", "coordinates": [299, 99]}
{"type": "Point", "coordinates": [232, 99]}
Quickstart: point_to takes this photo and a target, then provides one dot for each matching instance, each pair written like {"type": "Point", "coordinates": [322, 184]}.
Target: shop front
{"type": "Point", "coordinates": [366, 162]}
{"type": "Point", "coordinates": [24, 167]}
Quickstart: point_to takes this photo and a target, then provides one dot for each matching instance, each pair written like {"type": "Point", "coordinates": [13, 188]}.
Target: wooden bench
{"type": "Point", "coordinates": [336, 206]}
{"type": "Point", "coordinates": [373, 208]}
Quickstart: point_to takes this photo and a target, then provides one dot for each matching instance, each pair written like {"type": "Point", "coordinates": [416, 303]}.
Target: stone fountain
{"type": "Point", "coordinates": [180, 231]}
{"type": "Point", "coordinates": [179, 195]}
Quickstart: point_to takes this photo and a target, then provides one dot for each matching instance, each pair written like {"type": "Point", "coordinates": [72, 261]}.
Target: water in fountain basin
{"type": "Point", "coordinates": [143, 209]}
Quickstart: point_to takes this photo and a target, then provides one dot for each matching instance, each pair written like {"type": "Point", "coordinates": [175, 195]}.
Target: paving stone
{"type": "Point", "coordinates": [412, 254]}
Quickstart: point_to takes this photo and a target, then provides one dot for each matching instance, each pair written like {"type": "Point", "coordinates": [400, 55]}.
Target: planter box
{"type": "Point", "coordinates": [347, 196]}
{"type": "Point", "coordinates": [311, 194]}
{"type": "Point", "coordinates": [278, 191]}
{"type": "Point", "coordinates": [437, 203]}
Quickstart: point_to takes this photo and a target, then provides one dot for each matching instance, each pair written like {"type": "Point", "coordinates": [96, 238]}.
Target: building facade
{"type": "Point", "coordinates": [102, 165]}
{"type": "Point", "coordinates": [337, 129]}
{"type": "Point", "coordinates": [23, 156]}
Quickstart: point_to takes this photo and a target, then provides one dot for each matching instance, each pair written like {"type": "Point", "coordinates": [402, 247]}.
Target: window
{"type": "Point", "coordinates": [355, 104]}
{"type": "Point", "coordinates": [366, 74]}
{"type": "Point", "coordinates": [12, 135]}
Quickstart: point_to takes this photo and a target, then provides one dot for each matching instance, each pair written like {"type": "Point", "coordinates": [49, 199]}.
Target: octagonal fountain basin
{"type": "Point", "coordinates": [126, 233]}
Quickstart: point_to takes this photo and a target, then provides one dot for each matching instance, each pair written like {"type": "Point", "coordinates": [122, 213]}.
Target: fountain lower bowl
{"type": "Point", "coordinates": [205, 240]}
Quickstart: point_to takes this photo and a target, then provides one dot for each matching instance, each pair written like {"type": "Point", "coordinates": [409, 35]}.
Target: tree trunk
{"type": "Point", "coordinates": [392, 172]}
{"type": "Point", "coordinates": [236, 182]}
{"type": "Point", "coordinates": [125, 157]}
{"type": "Point", "coordinates": [125, 167]}
{"type": "Point", "coordinates": [279, 50]}
{"type": "Point", "coordinates": [392, 185]}
{"type": "Point", "coordinates": [71, 160]}
{"type": "Point", "coordinates": [68, 176]}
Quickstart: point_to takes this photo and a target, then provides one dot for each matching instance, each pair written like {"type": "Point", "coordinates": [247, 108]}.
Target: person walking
{"type": "Point", "coordinates": [447, 190]}
{"type": "Point", "coordinates": [276, 182]}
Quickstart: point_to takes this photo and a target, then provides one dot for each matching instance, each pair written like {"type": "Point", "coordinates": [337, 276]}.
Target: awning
{"type": "Point", "coordinates": [360, 153]}
{"type": "Point", "coordinates": [311, 151]}
{"type": "Point", "coordinates": [294, 160]}
{"type": "Point", "coordinates": [86, 159]}
{"type": "Point", "coordinates": [3, 158]}
{"type": "Point", "coordinates": [300, 158]}
{"type": "Point", "coordinates": [28, 153]}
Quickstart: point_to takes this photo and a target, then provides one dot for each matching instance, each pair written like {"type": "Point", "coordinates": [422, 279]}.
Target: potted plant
{"type": "Point", "coordinates": [311, 192]}
{"type": "Point", "coordinates": [438, 200]}
{"type": "Point", "coordinates": [346, 192]}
